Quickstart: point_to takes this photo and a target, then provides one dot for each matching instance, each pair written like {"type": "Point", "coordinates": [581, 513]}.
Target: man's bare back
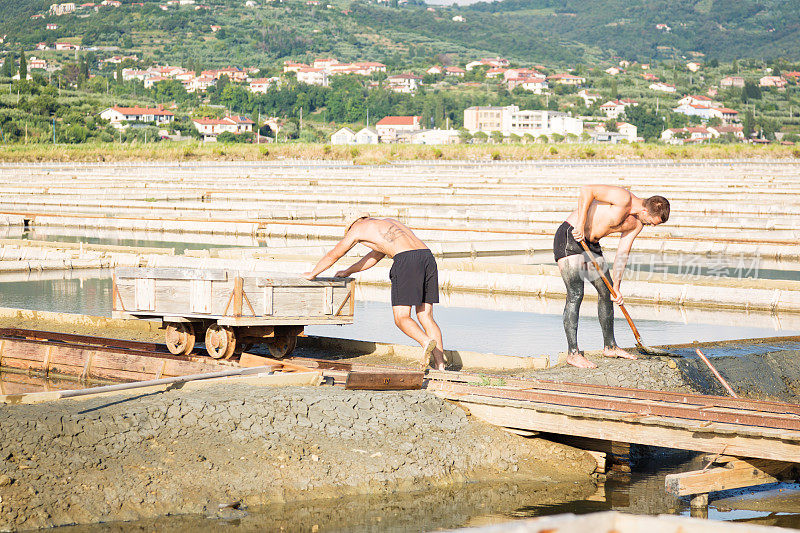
{"type": "Point", "coordinates": [386, 236]}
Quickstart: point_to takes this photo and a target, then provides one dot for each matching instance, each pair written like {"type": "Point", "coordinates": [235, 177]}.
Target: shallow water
{"type": "Point", "coordinates": [469, 322]}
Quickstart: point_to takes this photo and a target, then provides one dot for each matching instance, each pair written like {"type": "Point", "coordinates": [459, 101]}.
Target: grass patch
{"type": "Point", "coordinates": [381, 154]}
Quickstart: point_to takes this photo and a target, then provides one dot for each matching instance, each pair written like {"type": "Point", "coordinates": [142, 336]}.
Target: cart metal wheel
{"type": "Point", "coordinates": [220, 341]}
{"type": "Point", "coordinates": [180, 338]}
{"type": "Point", "coordinates": [282, 346]}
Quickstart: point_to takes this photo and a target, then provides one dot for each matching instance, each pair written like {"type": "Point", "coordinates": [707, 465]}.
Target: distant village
{"type": "Point", "coordinates": [510, 121]}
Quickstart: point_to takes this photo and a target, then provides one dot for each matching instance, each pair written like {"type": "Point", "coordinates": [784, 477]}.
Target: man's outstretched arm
{"type": "Point", "coordinates": [338, 251]}
{"type": "Point", "coordinates": [609, 194]}
{"type": "Point", "coordinates": [621, 258]}
{"type": "Point", "coordinates": [368, 261]}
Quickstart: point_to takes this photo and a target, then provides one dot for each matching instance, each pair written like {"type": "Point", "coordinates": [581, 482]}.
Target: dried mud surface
{"type": "Point", "coordinates": [132, 457]}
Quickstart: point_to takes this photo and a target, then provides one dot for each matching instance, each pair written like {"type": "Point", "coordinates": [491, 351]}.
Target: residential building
{"type": "Point", "coordinates": [612, 71]}
{"type": "Point", "coordinates": [693, 66]}
{"type": "Point", "coordinates": [118, 115]}
{"type": "Point", "coordinates": [510, 119]}
{"type": "Point", "coordinates": [262, 85]}
{"type": "Point", "coordinates": [615, 108]}
{"type": "Point", "coordinates": [686, 135]}
{"type": "Point", "coordinates": [395, 128]}
{"type": "Point", "coordinates": [67, 46]}
{"type": "Point", "coordinates": [211, 127]}
{"type": "Point", "coordinates": [313, 76]}
{"type": "Point", "coordinates": [589, 98]}
{"type": "Point", "coordinates": [663, 87]}
{"type": "Point", "coordinates": [52, 26]}
{"type": "Point", "coordinates": [707, 112]}
{"type": "Point", "coordinates": [343, 136]}
{"type": "Point", "coordinates": [455, 71]}
{"type": "Point", "coordinates": [732, 81]}
{"type": "Point", "coordinates": [62, 9]}
{"type": "Point", "coordinates": [492, 63]}
{"type": "Point", "coordinates": [435, 137]}
{"type": "Point", "coordinates": [735, 130]}
{"type": "Point", "coordinates": [34, 63]}
{"type": "Point", "coordinates": [772, 81]}
{"type": "Point", "coordinates": [404, 83]}
{"type": "Point", "coordinates": [697, 99]}
{"type": "Point", "coordinates": [567, 79]}
{"type": "Point", "coordinates": [495, 72]}
{"type": "Point", "coordinates": [535, 84]}
{"type": "Point", "coordinates": [367, 136]}
{"type": "Point", "coordinates": [292, 66]}
{"type": "Point", "coordinates": [435, 70]}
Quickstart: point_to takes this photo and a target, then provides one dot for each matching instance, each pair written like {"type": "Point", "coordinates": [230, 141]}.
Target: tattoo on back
{"type": "Point", "coordinates": [393, 233]}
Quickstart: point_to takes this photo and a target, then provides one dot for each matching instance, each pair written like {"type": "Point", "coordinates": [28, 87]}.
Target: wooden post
{"type": "Point", "coordinates": [699, 501]}
{"type": "Point", "coordinates": [238, 300]}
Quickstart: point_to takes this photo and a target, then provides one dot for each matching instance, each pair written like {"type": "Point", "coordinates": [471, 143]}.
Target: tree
{"type": "Point", "coordinates": [611, 125]}
{"type": "Point", "coordinates": [480, 136]}
{"type": "Point", "coordinates": [8, 65]}
{"type": "Point", "coordinates": [23, 66]}
{"type": "Point", "coordinates": [497, 137]}
{"type": "Point", "coordinates": [464, 135]}
{"type": "Point", "coordinates": [747, 124]}
{"type": "Point", "coordinates": [648, 123]}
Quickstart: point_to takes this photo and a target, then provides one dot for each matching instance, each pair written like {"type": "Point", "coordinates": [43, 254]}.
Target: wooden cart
{"type": "Point", "coordinates": [230, 309]}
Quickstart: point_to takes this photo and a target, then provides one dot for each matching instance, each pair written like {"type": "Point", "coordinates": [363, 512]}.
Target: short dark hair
{"type": "Point", "coordinates": [658, 206]}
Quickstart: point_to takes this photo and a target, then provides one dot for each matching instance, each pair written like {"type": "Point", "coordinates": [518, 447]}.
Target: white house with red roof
{"type": "Point", "coordinates": [536, 84]}
{"type": "Point", "coordinates": [615, 108]}
{"type": "Point", "coordinates": [707, 112]}
{"type": "Point", "coordinates": [118, 115]}
{"type": "Point", "coordinates": [697, 99]}
{"type": "Point", "coordinates": [67, 46]}
{"type": "Point", "coordinates": [211, 127]}
{"type": "Point", "coordinates": [293, 66]}
{"type": "Point", "coordinates": [772, 81]}
{"type": "Point", "coordinates": [455, 71]}
{"type": "Point", "coordinates": [404, 83]}
{"type": "Point", "coordinates": [735, 130]}
{"type": "Point", "coordinates": [394, 128]}
{"type": "Point", "coordinates": [262, 85]}
{"type": "Point", "coordinates": [491, 63]}
{"type": "Point", "coordinates": [313, 76]}
{"type": "Point", "coordinates": [435, 70]}
{"type": "Point", "coordinates": [663, 87]}
{"type": "Point", "coordinates": [496, 72]}
{"type": "Point", "coordinates": [692, 134]}
{"type": "Point", "coordinates": [34, 63]}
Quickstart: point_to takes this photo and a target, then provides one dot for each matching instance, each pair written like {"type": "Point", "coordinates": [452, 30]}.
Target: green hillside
{"type": "Point", "coordinates": [538, 31]}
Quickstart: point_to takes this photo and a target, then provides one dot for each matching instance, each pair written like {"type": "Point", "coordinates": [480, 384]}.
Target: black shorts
{"type": "Point", "coordinates": [564, 244]}
{"type": "Point", "coordinates": [415, 278]}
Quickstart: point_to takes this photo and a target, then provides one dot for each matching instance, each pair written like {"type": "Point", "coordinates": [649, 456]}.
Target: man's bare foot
{"type": "Point", "coordinates": [577, 359]}
{"type": "Point", "coordinates": [616, 351]}
{"type": "Point", "coordinates": [427, 350]}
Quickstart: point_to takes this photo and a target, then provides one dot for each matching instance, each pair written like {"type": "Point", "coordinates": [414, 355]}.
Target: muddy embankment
{"type": "Point", "coordinates": [136, 456]}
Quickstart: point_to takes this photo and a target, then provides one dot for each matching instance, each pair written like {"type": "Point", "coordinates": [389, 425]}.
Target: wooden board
{"type": "Point", "coordinates": [710, 439]}
{"type": "Point", "coordinates": [735, 474]}
{"type": "Point", "coordinates": [171, 273]}
{"type": "Point", "coordinates": [384, 380]}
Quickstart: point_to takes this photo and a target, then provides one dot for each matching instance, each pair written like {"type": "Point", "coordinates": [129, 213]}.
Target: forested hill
{"type": "Point", "coordinates": [535, 31]}
{"type": "Point", "coordinates": [725, 29]}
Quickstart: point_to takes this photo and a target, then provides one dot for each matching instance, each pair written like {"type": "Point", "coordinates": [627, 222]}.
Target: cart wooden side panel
{"type": "Point", "coordinates": [219, 293]}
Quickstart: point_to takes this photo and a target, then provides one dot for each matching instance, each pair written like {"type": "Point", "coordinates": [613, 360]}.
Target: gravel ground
{"type": "Point", "coordinates": [132, 456]}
